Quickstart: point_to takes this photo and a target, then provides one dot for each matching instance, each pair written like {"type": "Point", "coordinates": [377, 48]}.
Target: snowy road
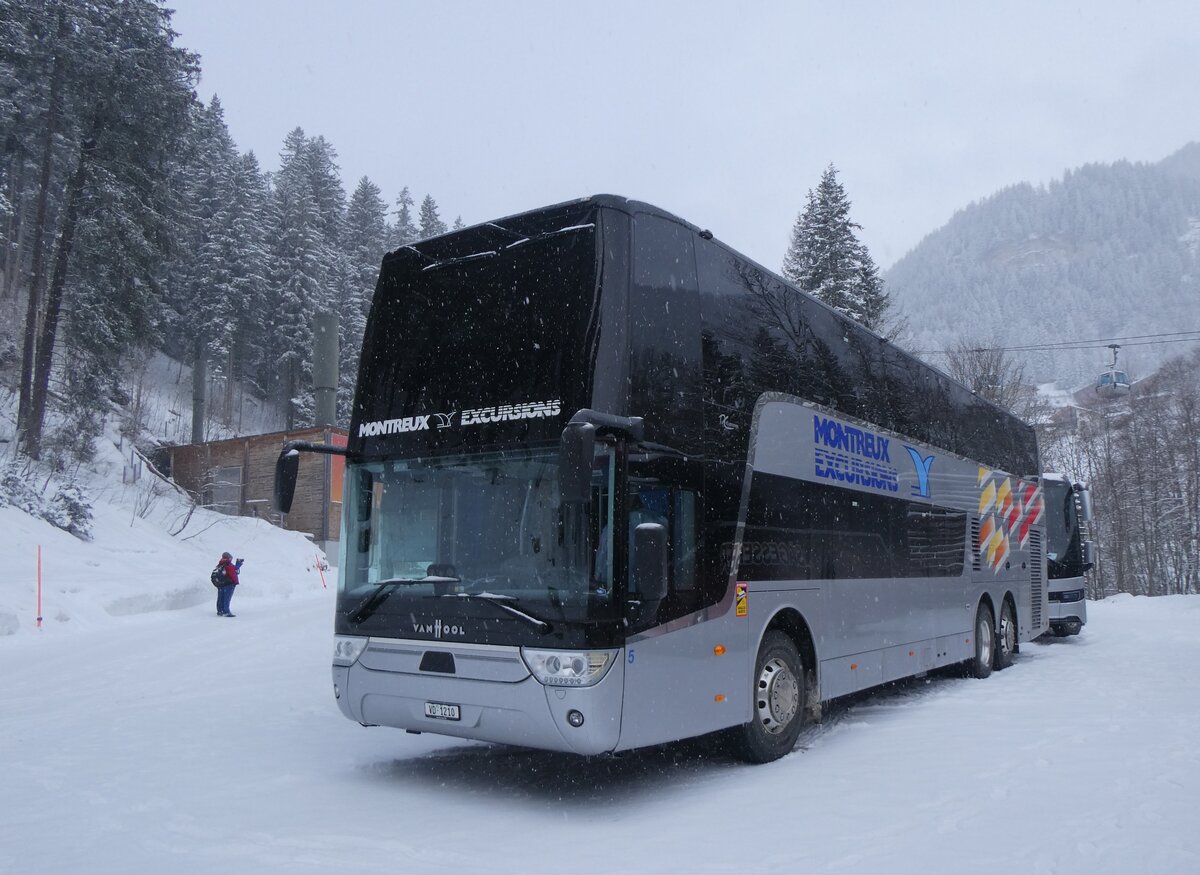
{"type": "Point", "coordinates": [177, 741]}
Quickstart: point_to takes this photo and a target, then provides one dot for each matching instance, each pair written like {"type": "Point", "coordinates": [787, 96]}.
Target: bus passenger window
{"type": "Point", "coordinates": [683, 541]}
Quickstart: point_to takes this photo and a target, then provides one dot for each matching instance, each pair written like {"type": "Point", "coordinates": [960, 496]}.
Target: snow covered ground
{"type": "Point", "coordinates": [141, 733]}
{"type": "Point", "coordinates": [149, 739]}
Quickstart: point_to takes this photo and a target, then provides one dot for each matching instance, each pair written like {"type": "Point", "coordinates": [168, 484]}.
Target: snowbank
{"type": "Point", "coordinates": [150, 550]}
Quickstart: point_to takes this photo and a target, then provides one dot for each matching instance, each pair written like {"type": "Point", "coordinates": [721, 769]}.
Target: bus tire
{"type": "Point", "coordinates": [777, 700]}
{"type": "Point", "coordinates": [1006, 638]}
{"type": "Point", "coordinates": [980, 665]}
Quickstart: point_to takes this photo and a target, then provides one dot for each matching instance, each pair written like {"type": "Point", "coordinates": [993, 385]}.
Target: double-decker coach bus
{"type": "Point", "coordinates": [1070, 552]}
{"type": "Point", "coordinates": [610, 484]}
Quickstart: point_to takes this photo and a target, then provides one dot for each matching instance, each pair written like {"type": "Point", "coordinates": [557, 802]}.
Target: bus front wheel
{"type": "Point", "coordinates": [778, 701]}
{"type": "Point", "coordinates": [980, 665]}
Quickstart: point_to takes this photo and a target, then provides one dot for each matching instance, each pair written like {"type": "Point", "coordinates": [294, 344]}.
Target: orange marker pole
{"type": "Point", "coordinates": [320, 571]}
{"type": "Point", "coordinates": [39, 613]}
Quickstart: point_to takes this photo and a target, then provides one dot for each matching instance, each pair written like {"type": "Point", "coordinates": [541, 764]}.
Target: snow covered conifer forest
{"type": "Point", "coordinates": [131, 222]}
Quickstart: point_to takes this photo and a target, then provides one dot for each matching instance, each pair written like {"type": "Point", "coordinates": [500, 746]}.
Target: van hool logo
{"type": "Point", "coordinates": [512, 412]}
{"type": "Point", "coordinates": [437, 629]}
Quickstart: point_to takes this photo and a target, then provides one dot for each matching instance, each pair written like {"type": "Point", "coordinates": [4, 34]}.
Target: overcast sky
{"type": "Point", "coordinates": [725, 114]}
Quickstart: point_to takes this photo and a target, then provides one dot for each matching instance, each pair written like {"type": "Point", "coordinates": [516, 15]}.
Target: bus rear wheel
{"type": "Point", "coordinates": [778, 699]}
{"type": "Point", "coordinates": [980, 665]}
{"type": "Point", "coordinates": [1006, 641]}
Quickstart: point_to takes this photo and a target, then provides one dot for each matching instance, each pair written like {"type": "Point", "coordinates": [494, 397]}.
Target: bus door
{"type": "Point", "coordinates": [686, 653]}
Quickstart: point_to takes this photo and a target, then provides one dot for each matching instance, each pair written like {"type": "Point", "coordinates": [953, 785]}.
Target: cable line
{"type": "Point", "coordinates": [1096, 343]}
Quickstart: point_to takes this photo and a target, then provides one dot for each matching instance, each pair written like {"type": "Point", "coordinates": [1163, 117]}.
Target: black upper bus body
{"type": "Point", "coordinates": [482, 344]}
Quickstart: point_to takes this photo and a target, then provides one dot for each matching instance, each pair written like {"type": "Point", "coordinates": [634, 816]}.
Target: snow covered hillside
{"type": "Point", "coordinates": [150, 551]}
{"type": "Point", "coordinates": [149, 548]}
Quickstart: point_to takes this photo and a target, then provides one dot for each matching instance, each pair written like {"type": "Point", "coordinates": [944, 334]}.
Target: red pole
{"type": "Point", "coordinates": [321, 571]}
{"type": "Point", "coordinates": [39, 613]}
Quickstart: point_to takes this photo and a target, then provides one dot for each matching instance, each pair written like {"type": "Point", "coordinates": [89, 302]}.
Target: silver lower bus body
{"type": "Point", "coordinates": [1068, 605]}
{"type": "Point", "coordinates": [495, 696]}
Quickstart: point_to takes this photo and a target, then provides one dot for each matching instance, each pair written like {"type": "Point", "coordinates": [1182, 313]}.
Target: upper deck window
{"type": "Point", "coordinates": [664, 316]}
{"type": "Point", "coordinates": [476, 334]}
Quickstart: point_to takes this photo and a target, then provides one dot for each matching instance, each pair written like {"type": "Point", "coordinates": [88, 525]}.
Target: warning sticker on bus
{"type": "Point", "coordinates": [740, 601]}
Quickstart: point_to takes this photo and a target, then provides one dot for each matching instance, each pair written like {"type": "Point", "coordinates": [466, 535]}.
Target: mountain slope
{"type": "Point", "coordinates": [1107, 251]}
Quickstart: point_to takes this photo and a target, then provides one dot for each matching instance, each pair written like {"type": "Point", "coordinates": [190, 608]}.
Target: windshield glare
{"type": "Point", "coordinates": [493, 522]}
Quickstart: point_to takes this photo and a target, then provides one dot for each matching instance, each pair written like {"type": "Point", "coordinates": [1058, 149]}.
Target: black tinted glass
{"type": "Point", "coordinates": [664, 319]}
{"type": "Point", "coordinates": [762, 335]}
{"type": "Point", "coordinates": [473, 339]}
{"type": "Point", "coordinates": [796, 530]}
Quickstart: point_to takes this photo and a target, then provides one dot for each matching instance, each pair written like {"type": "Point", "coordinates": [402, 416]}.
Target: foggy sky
{"type": "Point", "coordinates": [725, 114]}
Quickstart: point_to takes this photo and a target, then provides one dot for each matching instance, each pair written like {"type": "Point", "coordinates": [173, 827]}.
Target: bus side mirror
{"type": "Point", "coordinates": [575, 453]}
{"type": "Point", "coordinates": [1089, 555]}
{"type": "Point", "coordinates": [1083, 494]}
{"type": "Point", "coordinates": [650, 562]}
{"type": "Point", "coordinates": [287, 466]}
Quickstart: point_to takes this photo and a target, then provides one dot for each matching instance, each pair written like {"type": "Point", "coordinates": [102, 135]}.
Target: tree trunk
{"type": "Point", "coordinates": [199, 389]}
{"type": "Point", "coordinates": [14, 231]}
{"type": "Point", "coordinates": [25, 402]}
{"type": "Point", "coordinates": [289, 393]}
{"type": "Point", "coordinates": [229, 376]}
{"type": "Point", "coordinates": [36, 417]}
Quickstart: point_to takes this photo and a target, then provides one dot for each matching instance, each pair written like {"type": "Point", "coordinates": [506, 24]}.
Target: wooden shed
{"type": "Point", "coordinates": [237, 477]}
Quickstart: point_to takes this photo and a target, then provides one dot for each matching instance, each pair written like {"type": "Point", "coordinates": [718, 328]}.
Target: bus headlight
{"type": "Point", "coordinates": [347, 649]}
{"type": "Point", "coordinates": [568, 668]}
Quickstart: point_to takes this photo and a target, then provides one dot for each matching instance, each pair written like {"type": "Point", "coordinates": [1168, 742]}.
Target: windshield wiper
{"type": "Point", "coordinates": [500, 602]}
{"type": "Point", "coordinates": [385, 588]}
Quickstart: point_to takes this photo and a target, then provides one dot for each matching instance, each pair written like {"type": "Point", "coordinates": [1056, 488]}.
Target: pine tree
{"type": "Point", "coordinates": [827, 260]}
{"type": "Point", "coordinates": [299, 276]}
{"type": "Point", "coordinates": [404, 231]}
{"type": "Point", "coordinates": [366, 242]}
{"type": "Point", "coordinates": [238, 263]}
{"type": "Point", "coordinates": [320, 164]}
{"type": "Point", "coordinates": [431, 225]}
{"type": "Point", "coordinates": [196, 278]}
{"type": "Point", "coordinates": [128, 91]}
{"type": "Point", "coordinates": [30, 75]}
{"type": "Point", "coordinates": [43, 43]}
{"type": "Point", "coordinates": [312, 273]}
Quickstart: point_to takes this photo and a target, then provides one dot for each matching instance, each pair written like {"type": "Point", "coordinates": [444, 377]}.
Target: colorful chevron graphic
{"type": "Point", "coordinates": [1006, 512]}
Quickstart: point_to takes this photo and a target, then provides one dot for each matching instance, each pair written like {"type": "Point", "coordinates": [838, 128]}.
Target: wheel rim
{"type": "Point", "coordinates": [1008, 634]}
{"type": "Point", "coordinates": [984, 635]}
{"type": "Point", "coordinates": [777, 695]}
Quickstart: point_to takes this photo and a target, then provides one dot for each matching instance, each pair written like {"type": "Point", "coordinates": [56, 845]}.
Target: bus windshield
{"type": "Point", "coordinates": [482, 524]}
{"type": "Point", "coordinates": [1063, 550]}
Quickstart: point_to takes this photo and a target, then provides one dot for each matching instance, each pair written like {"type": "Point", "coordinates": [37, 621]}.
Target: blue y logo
{"type": "Point", "coordinates": [922, 466]}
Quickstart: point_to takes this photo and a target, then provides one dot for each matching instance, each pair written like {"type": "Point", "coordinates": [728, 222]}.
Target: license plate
{"type": "Point", "coordinates": [439, 711]}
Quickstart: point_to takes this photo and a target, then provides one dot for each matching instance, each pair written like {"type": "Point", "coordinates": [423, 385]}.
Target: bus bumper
{"type": "Point", "coordinates": [519, 712]}
{"type": "Point", "coordinates": [1068, 612]}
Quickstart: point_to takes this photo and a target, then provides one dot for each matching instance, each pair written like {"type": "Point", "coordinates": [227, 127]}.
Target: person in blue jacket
{"type": "Point", "coordinates": [230, 570]}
